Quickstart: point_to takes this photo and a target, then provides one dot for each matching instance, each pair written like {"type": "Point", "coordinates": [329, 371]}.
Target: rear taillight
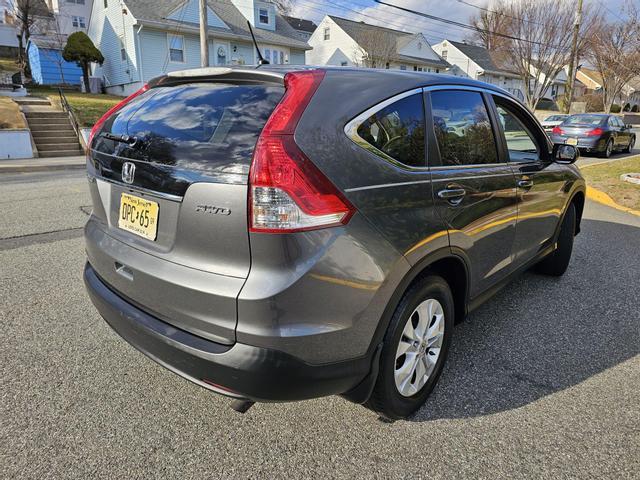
{"type": "Point", "coordinates": [98, 125]}
{"type": "Point", "coordinates": [288, 193]}
{"type": "Point", "coordinates": [595, 132]}
{"type": "Point", "coordinates": [557, 130]}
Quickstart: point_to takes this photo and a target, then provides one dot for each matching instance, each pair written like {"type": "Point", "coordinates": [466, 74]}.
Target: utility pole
{"type": "Point", "coordinates": [204, 40]}
{"type": "Point", "coordinates": [573, 64]}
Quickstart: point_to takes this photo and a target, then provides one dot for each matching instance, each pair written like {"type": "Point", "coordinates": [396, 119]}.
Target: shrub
{"type": "Point", "coordinates": [594, 102]}
{"type": "Point", "coordinates": [627, 107]}
{"type": "Point", "coordinates": [615, 108]}
{"type": "Point", "coordinates": [634, 109]}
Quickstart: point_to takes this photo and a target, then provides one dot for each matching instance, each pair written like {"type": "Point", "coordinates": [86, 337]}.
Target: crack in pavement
{"type": "Point", "coordinates": [11, 243]}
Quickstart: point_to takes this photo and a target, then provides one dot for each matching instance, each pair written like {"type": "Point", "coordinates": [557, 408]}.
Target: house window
{"type": "Point", "coordinates": [106, 3]}
{"type": "Point", "coordinates": [444, 54]}
{"type": "Point", "coordinates": [281, 58]}
{"type": "Point", "coordinates": [386, 66]}
{"type": "Point", "coordinates": [123, 50]}
{"type": "Point", "coordinates": [403, 67]}
{"type": "Point", "coordinates": [264, 16]}
{"type": "Point", "coordinates": [343, 64]}
{"type": "Point", "coordinates": [267, 55]}
{"type": "Point", "coordinates": [437, 70]}
{"type": "Point", "coordinates": [327, 33]}
{"type": "Point", "coordinates": [78, 22]}
{"type": "Point", "coordinates": [176, 48]}
{"type": "Point", "coordinates": [415, 69]}
{"type": "Point", "coordinates": [79, 2]}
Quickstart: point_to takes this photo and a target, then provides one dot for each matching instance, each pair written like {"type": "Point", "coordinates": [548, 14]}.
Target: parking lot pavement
{"type": "Point", "coordinates": [543, 380]}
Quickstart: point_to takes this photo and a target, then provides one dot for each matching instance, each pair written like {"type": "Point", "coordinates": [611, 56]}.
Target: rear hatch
{"type": "Point", "coordinates": [168, 177]}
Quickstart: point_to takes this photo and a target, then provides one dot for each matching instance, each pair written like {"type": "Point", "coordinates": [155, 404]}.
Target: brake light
{"type": "Point", "coordinates": [288, 193]}
{"type": "Point", "coordinates": [595, 132]}
{"type": "Point", "coordinates": [557, 130]}
{"type": "Point", "coordinates": [98, 125]}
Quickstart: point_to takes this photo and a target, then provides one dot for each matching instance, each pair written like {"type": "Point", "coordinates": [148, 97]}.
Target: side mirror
{"type": "Point", "coordinates": [628, 126]}
{"type": "Point", "coordinates": [563, 153]}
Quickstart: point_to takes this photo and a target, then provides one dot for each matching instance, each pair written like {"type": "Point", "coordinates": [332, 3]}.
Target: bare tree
{"type": "Point", "coordinates": [614, 51]}
{"type": "Point", "coordinates": [536, 41]}
{"type": "Point", "coordinates": [487, 22]}
{"type": "Point", "coordinates": [56, 40]}
{"type": "Point", "coordinates": [375, 48]}
{"type": "Point", "coordinates": [284, 7]}
{"type": "Point", "coordinates": [27, 14]}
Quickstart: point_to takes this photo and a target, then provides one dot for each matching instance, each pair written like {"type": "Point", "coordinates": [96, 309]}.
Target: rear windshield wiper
{"type": "Point", "coordinates": [120, 138]}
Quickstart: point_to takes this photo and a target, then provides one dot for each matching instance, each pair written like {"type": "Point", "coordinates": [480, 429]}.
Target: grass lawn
{"type": "Point", "coordinates": [87, 107]}
{"type": "Point", "coordinates": [8, 65]}
{"type": "Point", "coordinates": [10, 116]}
{"type": "Point", "coordinates": [606, 177]}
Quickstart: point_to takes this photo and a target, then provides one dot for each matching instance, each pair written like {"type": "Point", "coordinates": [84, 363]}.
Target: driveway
{"type": "Point", "coordinates": [543, 380]}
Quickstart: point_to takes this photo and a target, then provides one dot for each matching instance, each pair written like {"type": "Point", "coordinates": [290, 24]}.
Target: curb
{"type": "Point", "coordinates": [601, 197]}
{"type": "Point", "coordinates": [40, 168]}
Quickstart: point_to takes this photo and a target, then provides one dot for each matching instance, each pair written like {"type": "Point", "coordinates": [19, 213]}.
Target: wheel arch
{"type": "Point", "coordinates": [578, 201]}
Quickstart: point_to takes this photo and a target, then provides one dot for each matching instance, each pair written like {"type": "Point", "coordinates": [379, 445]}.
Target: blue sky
{"type": "Point", "coordinates": [371, 12]}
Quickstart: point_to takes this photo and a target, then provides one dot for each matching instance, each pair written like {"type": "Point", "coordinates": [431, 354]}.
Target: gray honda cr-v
{"type": "Point", "coordinates": [281, 233]}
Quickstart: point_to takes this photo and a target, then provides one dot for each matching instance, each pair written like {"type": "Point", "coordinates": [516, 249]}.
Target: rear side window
{"type": "Point", "coordinates": [210, 127]}
{"type": "Point", "coordinates": [462, 128]}
{"type": "Point", "coordinates": [398, 131]}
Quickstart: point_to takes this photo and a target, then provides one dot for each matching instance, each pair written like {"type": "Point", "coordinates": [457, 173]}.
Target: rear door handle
{"type": "Point", "coordinates": [452, 195]}
{"type": "Point", "coordinates": [525, 183]}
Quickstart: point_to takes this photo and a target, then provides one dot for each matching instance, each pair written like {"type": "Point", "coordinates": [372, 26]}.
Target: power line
{"type": "Point", "coordinates": [484, 9]}
{"type": "Point", "coordinates": [468, 27]}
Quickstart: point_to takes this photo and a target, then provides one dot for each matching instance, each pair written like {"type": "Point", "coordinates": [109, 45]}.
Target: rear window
{"type": "Point", "coordinates": [208, 127]}
{"type": "Point", "coordinates": [584, 120]}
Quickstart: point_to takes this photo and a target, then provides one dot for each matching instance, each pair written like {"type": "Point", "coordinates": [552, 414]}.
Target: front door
{"type": "Point", "coordinates": [221, 54]}
{"type": "Point", "coordinates": [474, 191]}
{"type": "Point", "coordinates": [540, 182]}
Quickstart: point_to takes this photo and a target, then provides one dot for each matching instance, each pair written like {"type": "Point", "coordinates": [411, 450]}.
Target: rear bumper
{"type": "Point", "coordinates": [240, 371]}
{"type": "Point", "coordinates": [585, 143]}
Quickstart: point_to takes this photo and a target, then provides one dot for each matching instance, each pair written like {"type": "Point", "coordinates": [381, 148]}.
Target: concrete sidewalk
{"type": "Point", "coordinates": [42, 164]}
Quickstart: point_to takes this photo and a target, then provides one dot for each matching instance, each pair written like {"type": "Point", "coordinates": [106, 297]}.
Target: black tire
{"type": "Point", "coordinates": [608, 149]}
{"type": "Point", "coordinates": [629, 147]}
{"type": "Point", "coordinates": [556, 263]}
{"type": "Point", "coordinates": [386, 400]}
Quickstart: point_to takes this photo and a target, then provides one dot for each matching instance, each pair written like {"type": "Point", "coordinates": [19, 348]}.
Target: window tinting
{"type": "Point", "coordinates": [398, 130]}
{"type": "Point", "coordinates": [462, 128]}
{"type": "Point", "coordinates": [584, 120]}
{"type": "Point", "coordinates": [520, 143]}
{"type": "Point", "coordinates": [212, 128]}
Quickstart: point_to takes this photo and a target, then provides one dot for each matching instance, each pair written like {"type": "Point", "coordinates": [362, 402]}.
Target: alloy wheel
{"type": "Point", "coordinates": [419, 347]}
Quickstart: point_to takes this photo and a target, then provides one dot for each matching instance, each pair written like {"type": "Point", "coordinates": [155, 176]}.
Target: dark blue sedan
{"type": "Point", "coordinates": [595, 132]}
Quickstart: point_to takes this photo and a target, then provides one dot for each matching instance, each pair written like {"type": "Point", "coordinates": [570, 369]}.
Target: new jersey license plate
{"type": "Point", "coordinates": [139, 216]}
{"type": "Point", "coordinates": [572, 141]}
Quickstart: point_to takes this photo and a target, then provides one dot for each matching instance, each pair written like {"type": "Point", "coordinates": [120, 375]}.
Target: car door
{"type": "Point", "coordinates": [540, 182]}
{"type": "Point", "coordinates": [624, 135]}
{"type": "Point", "coordinates": [474, 190]}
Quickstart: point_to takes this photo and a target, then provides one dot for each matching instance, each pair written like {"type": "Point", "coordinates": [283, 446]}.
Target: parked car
{"type": "Point", "coordinates": [595, 132]}
{"type": "Point", "coordinates": [280, 234]}
{"type": "Point", "coordinates": [553, 120]}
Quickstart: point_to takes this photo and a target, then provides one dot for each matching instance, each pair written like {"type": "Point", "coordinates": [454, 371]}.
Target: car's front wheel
{"type": "Point", "coordinates": [629, 147]}
{"type": "Point", "coordinates": [415, 348]}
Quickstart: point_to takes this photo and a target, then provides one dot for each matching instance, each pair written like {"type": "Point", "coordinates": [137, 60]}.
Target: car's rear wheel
{"type": "Point", "coordinates": [556, 263]}
{"type": "Point", "coordinates": [608, 150]}
{"type": "Point", "coordinates": [415, 348]}
{"type": "Point", "coordinates": [632, 142]}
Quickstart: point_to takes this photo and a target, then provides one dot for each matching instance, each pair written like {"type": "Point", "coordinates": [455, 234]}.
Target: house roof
{"type": "Point", "coordinates": [592, 75]}
{"type": "Point", "coordinates": [52, 42]}
{"type": "Point", "coordinates": [362, 33]}
{"type": "Point", "coordinates": [301, 24]}
{"type": "Point", "coordinates": [487, 60]}
{"type": "Point", "coordinates": [152, 11]}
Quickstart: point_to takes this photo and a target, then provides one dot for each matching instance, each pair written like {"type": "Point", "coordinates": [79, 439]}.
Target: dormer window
{"type": "Point", "coordinates": [263, 15]}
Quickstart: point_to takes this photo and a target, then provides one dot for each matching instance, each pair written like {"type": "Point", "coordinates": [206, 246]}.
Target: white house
{"type": "Point", "coordinates": [141, 39]}
{"type": "Point", "coordinates": [338, 41]}
{"type": "Point", "coordinates": [481, 64]}
{"type": "Point", "coordinates": [71, 15]}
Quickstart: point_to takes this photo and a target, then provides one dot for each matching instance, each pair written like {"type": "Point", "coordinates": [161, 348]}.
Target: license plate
{"type": "Point", "coordinates": [139, 216]}
{"type": "Point", "coordinates": [572, 141]}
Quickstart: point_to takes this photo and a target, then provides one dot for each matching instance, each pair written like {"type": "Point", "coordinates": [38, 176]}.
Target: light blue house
{"type": "Point", "coordinates": [47, 65]}
{"type": "Point", "coordinates": [141, 39]}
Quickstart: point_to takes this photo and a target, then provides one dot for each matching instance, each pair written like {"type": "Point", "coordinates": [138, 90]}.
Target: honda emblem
{"type": "Point", "coordinates": [128, 172]}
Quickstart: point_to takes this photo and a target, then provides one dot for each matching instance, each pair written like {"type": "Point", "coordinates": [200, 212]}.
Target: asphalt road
{"type": "Point", "coordinates": [543, 381]}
